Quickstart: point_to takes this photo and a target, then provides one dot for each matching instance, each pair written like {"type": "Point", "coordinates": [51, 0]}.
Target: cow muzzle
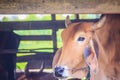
{"type": "Point", "coordinates": [61, 72]}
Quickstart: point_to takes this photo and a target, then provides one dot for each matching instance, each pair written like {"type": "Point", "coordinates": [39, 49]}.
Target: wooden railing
{"type": "Point", "coordinates": [53, 24]}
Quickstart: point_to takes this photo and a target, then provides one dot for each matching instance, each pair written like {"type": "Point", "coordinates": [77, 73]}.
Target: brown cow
{"type": "Point", "coordinates": [90, 44]}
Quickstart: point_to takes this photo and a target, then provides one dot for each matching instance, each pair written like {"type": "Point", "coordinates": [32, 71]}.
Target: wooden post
{"type": "Point", "coordinates": [54, 34]}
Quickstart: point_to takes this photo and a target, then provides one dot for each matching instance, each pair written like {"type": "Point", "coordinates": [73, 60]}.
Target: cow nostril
{"type": "Point", "coordinates": [59, 71]}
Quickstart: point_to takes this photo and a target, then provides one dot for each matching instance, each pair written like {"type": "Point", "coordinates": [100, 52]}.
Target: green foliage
{"type": "Point", "coordinates": [5, 19]}
{"type": "Point", "coordinates": [33, 32]}
{"type": "Point", "coordinates": [31, 17]}
{"type": "Point", "coordinates": [34, 17]}
{"type": "Point", "coordinates": [63, 16]}
{"type": "Point", "coordinates": [89, 16]}
{"type": "Point", "coordinates": [84, 78]}
{"type": "Point", "coordinates": [21, 65]}
{"type": "Point", "coordinates": [36, 45]}
{"type": "Point", "coordinates": [47, 17]}
{"type": "Point", "coordinates": [59, 40]}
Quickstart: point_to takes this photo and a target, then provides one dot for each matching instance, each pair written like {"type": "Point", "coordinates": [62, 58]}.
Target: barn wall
{"type": "Point", "coordinates": [59, 6]}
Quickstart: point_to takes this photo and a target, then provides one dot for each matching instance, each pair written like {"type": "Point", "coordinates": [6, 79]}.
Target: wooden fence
{"type": "Point", "coordinates": [53, 24]}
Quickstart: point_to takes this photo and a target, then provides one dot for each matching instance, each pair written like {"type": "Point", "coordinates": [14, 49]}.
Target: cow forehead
{"type": "Point", "coordinates": [80, 26]}
{"type": "Point", "coordinates": [76, 29]}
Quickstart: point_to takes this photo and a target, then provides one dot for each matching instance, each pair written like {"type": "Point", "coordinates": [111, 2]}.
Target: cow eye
{"type": "Point", "coordinates": [81, 38]}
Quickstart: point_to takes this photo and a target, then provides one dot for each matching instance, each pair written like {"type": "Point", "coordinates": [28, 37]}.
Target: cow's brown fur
{"type": "Point", "coordinates": [107, 39]}
{"type": "Point", "coordinates": [109, 54]}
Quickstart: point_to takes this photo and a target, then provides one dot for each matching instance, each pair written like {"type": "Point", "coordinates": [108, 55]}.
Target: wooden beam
{"type": "Point", "coordinates": [31, 25]}
{"type": "Point", "coordinates": [36, 25]}
{"type": "Point", "coordinates": [37, 37]}
{"type": "Point", "coordinates": [59, 6]}
{"type": "Point", "coordinates": [14, 51]}
{"type": "Point", "coordinates": [38, 56]}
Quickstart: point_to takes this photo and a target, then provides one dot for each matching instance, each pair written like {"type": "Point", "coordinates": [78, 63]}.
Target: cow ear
{"type": "Point", "coordinates": [90, 55]}
{"type": "Point", "coordinates": [67, 21]}
{"type": "Point", "coordinates": [100, 23]}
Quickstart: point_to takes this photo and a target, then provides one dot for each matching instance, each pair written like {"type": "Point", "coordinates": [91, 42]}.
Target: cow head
{"type": "Point", "coordinates": [79, 50]}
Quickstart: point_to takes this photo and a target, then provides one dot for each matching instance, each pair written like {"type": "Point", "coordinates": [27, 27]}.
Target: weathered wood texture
{"type": "Point", "coordinates": [35, 25]}
{"type": "Point", "coordinates": [59, 6]}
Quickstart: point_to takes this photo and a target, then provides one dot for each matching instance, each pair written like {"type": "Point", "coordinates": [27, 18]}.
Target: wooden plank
{"type": "Point", "coordinates": [46, 57]}
{"type": "Point", "coordinates": [14, 51]}
{"type": "Point", "coordinates": [8, 51]}
{"type": "Point", "coordinates": [59, 6]}
{"type": "Point", "coordinates": [31, 25]}
{"type": "Point", "coordinates": [37, 37]}
{"type": "Point", "coordinates": [55, 40]}
{"type": "Point", "coordinates": [38, 56]}
{"type": "Point", "coordinates": [35, 25]}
